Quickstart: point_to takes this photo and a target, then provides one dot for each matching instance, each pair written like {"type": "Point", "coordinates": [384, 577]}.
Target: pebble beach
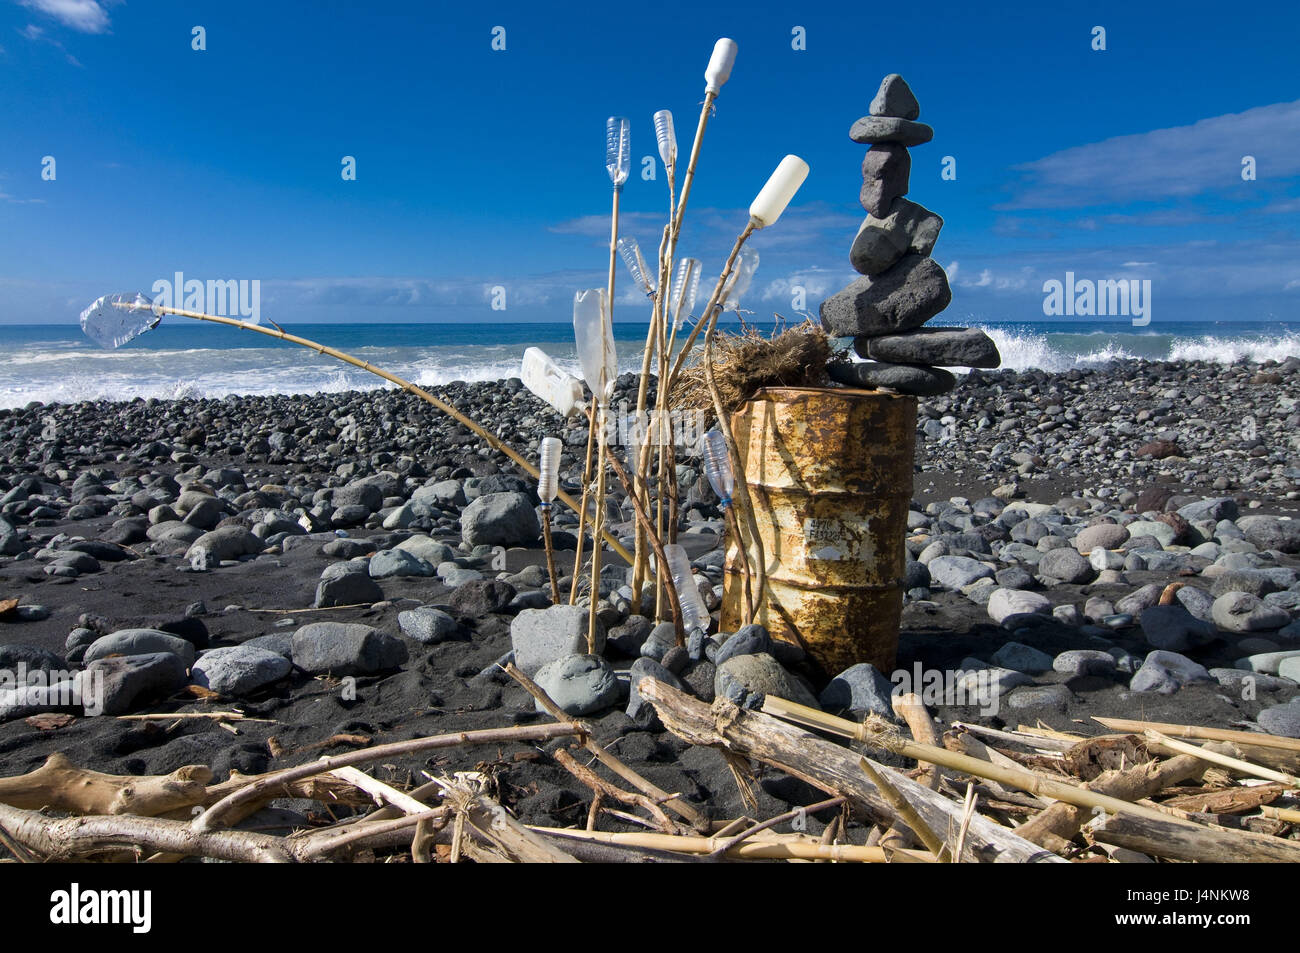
{"type": "Point", "coordinates": [1117, 540]}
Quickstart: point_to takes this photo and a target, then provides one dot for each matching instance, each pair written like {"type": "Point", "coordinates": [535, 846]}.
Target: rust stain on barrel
{"type": "Point", "coordinates": [830, 476]}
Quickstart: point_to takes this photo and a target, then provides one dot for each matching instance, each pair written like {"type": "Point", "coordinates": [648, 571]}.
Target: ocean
{"type": "Point", "coordinates": [186, 358]}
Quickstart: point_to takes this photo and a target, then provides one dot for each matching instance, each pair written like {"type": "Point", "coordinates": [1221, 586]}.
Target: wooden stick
{"type": "Point", "coordinates": [911, 709]}
{"type": "Point", "coordinates": [603, 788]}
{"type": "Point", "coordinates": [1063, 820]}
{"type": "Point", "coordinates": [1016, 777]}
{"type": "Point", "coordinates": [381, 792]}
{"type": "Point", "coordinates": [683, 809]}
{"type": "Point", "coordinates": [1281, 814]}
{"type": "Point", "coordinates": [906, 813]}
{"type": "Point", "coordinates": [753, 850]}
{"type": "Point", "coordinates": [1253, 738]}
{"type": "Point", "coordinates": [826, 765]}
{"type": "Point", "coordinates": [761, 826]}
{"type": "Point", "coordinates": [208, 819]}
{"type": "Point", "coordinates": [1223, 760]}
{"type": "Point", "coordinates": [586, 489]}
{"type": "Point", "coordinates": [1027, 741]}
{"type": "Point", "coordinates": [501, 836]}
{"type": "Point", "coordinates": [550, 553]}
{"type": "Point", "coordinates": [1176, 840]}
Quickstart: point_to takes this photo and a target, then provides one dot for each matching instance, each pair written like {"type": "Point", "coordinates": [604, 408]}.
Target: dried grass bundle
{"type": "Point", "coordinates": [745, 362]}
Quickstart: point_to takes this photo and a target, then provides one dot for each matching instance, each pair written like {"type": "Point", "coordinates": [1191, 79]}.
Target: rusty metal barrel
{"type": "Point", "coordinates": [829, 473]}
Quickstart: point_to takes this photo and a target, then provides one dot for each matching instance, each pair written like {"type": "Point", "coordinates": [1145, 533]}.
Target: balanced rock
{"type": "Point", "coordinates": [885, 173]}
{"type": "Point", "coordinates": [916, 379]}
{"type": "Point", "coordinates": [895, 98]}
{"type": "Point", "coordinates": [874, 129]}
{"type": "Point", "coordinates": [900, 299]}
{"type": "Point", "coordinates": [945, 347]}
{"type": "Point", "coordinates": [883, 240]}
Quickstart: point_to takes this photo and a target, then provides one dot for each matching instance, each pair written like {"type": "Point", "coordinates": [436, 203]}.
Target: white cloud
{"type": "Point", "coordinates": [1165, 163]}
{"type": "Point", "coordinates": [85, 16]}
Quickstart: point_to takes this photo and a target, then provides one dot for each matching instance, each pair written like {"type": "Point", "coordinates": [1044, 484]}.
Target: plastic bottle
{"type": "Point", "coordinates": [630, 249]}
{"type": "Point", "coordinates": [594, 335]}
{"type": "Point", "coordinates": [112, 320]}
{"type": "Point", "coordinates": [777, 192]}
{"type": "Point", "coordinates": [548, 467]}
{"type": "Point", "coordinates": [618, 149]}
{"type": "Point", "coordinates": [667, 138]}
{"type": "Point", "coordinates": [720, 63]}
{"type": "Point", "coordinates": [541, 376]}
{"type": "Point", "coordinates": [717, 466]}
{"type": "Point", "coordinates": [685, 289]}
{"type": "Point", "coordinates": [694, 615]}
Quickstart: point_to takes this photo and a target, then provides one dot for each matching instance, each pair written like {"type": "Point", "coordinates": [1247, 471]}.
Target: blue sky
{"type": "Point", "coordinates": [478, 168]}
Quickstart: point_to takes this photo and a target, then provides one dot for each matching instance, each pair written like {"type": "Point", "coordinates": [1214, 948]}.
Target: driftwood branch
{"type": "Point", "coordinates": [1180, 841]}
{"type": "Point", "coordinates": [827, 765]}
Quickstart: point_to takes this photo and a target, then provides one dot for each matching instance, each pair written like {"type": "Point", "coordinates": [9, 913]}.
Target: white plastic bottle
{"type": "Point", "coordinates": [694, 614]}
{"type": "Point", "coordinates": [540, 375]}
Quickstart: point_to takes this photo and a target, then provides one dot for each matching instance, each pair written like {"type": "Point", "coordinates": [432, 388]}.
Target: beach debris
{"type": "Point", "coordinates": [903, 287]}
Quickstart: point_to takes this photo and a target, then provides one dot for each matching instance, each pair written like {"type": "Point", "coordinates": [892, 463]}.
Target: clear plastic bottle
{"type": "Point", "coordinates": [618, 149]}
{"type": "Point", "coordinates": [630, 249]}
{"type": "Point", "coordinates": [694, 614]}
{"type": "Point", "coordinates": [548, 468]}
{"type": "Point", "coordinates": [686, 288]}
{"type": "Point", "coordinates": [112, 320]}
{"type": "Point", "coordinates": [594, 335]}
{"type": "Point", "coordinates": [666, 135]}
{"type": "Point", "coordinates": [742, 276]}
{"type": "Point", "coordinates": [717, 465]}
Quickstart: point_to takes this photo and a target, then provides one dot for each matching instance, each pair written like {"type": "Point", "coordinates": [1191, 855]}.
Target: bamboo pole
{"type": "Point", "coordinates": [1223, 760]}
{"type": "Point", "coordinates": [586, 489]}
{"type": "Point", "coordinates": [751, 850]}
{"type": "Point", "coordinates": [487, 437]}
{"type": "Point", "coordinates": [1252, 738]}
{"type": "Point", "coordinates": [1020, 778]}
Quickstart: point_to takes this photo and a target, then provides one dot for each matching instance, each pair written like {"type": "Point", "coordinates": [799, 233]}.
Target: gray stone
{"type": "Point", "coordinates": [895, 98]}
{"type": "Point", "coordinates": [955, 572]}
{"type": "Point", "coordinates": [349, 589]}
{"type": "Point", "coordinates": [748, 640]}
{"type": "Point", "coordinates": [1242, 612]}
{"type": "Point", "coordinates": [442, 493]}
{"type": "Point", "coordinates": [281, 643]}
{"type": "Point", "coordinates": [340, 569]}
{"type": "Point", "coordinates": [1174, 628]}
{"type": "Point", "coordinates": [343, 648]}
{"type": "Point", "coordinates": [360, 493]}
{"type": "Point", "coordinates": [915, 379]}
{"type": "Point", "coordinates": [239, 669]}
{"type": "Point", "coordinates": [885, 173]}
{"type": "Point", "coordinates": [875, 129]}
{"type": "Point", "coordinates": [1101, 536]}
{"type": "Point", "coordinates": [430, 550]}
{"type": "Point", "coordinates": [1143, 598]}
{"type": "Point", "coordinates": [1282, 720]}
{"type": "Point", "coordinates": [1022, 658]}
{"type": "Point", "coordinates": [882, 240]}
{"type": "Point", "coordinates": [1272, 532]}
{"type": "Point", "coordinates": [1066, 565]}
{"type": "Point", "coordinates": [398, 562]}
{"type": "Point", "coordinates": [140, 642]}
{"type": "Point", "coordinates": [1267, 663]}
{"type": "Point", "coordinates": [945, 347]}
{"type": "Point", "coordinates": [1084, 662]}
{"type": "Point", "coordinates": [1165, 672]}
{"type": "Point", "coordinates": [1057, 697]}
{"type": "Point", "coordinates": [480, 597]}
{"type": "Point", "coordinates": [1219, 508]}
{"type": "Point", "coordinates": [1007, 604]}
{"type": "Point", "coordinates": [540, 636]}
{"type": "Point", "coordinates": [500, 519]}
{"type": "Point", "coordinates": [699, 677]}
{"type": "Point", "coordinates": [578, 684]}
{"type": "Point", "coordinates": [427, 625]}
{"type": "Point", "coordinates": [1290, 668]}
{"type": "Point", "coordinates": [1163, 533]}
{"type": "Point", "coordinates": [1257, 582]}
{"type": "Point", "coordinates": [227, 542]}
{"type": "Point", "coordinates": [31, 657]}
{"type": "Point", "coordinates": [661, 638]}
{"type": "Point", "coordinates": [1238, 680]}
{"type": "Point", "coordinates": [746, 680]}
{"type": "Point", "coordinates": [347, 548]}
{"type": "Point", "coordinates": [860, 690]}
{"type": "Point", "coordinates": [1196, 601]}
{"type": "Point", "coordinates": [904, 297]}
{"type": "Point", "coordinates": [638, 709]}
{"type": "Point", "coordinates": [626, 639]}
{"type": "Point", "coordinates": [130, 680]}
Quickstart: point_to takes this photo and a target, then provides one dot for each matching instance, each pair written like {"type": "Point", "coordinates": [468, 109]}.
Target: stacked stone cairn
{"type": "Point", "coordinates": [903, 287]}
